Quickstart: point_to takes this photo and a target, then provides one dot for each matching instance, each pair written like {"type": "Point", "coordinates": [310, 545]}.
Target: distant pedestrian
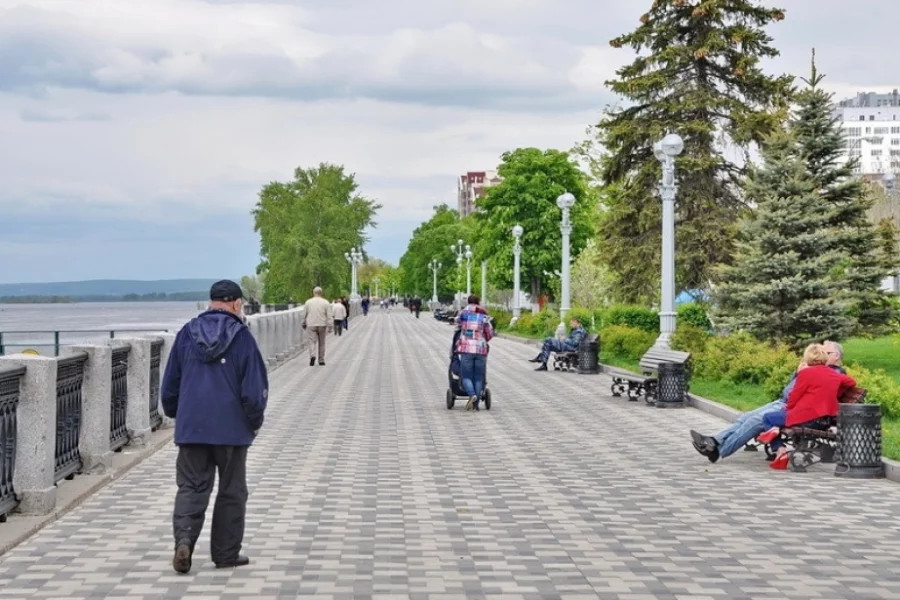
{"type": "Point", "coordinates": [216, 388]}
{"type": "Point", "coordinates": [317, 320]}
{"type": "Point", "coordinates": [346, 304]}
{"type": "Point", "coordinates": [339, 313]}
{"type": "Point", "coordinates": [365, 306]}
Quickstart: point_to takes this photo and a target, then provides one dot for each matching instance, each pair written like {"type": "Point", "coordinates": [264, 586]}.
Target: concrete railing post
{"type": "Point", "coordinates": [168, 343]}
{"type": "Point", "coordinates": [137, 415]}
{"type": "Point", "coordinates": [35, 434]}
{"type": "Point", "coordinates": [93, 441]}
{"type": "Point", "coordinates": [271, 339]}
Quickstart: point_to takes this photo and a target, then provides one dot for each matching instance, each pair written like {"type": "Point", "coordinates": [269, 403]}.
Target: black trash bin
{"type": "Point", "coordinates": [671, 388]}
{"type": "Point", "coordinates": [589, 355]}
{"type": "Point", "coordinates": [859, 442]}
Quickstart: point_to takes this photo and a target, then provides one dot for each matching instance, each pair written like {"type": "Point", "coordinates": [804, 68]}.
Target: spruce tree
{"type": "Point", "coordinates": [779, 287]}
{"type": "Point", "coordinates": [847, 202]}
{"type": "Point", "coordinates": [698, 74]}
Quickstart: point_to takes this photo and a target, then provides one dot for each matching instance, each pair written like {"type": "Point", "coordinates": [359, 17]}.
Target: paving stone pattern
{"type": "Point", "coordinates": [363, 485]}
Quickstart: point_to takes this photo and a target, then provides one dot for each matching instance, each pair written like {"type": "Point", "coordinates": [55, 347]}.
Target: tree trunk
{"type": "Point", "coordinates": [535, 295]}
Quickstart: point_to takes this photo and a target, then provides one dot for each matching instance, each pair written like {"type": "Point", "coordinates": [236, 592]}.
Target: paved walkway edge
{"type": "Point", "coordinates": [891, 467]}
{"type": "Point", "coordinates": [71, 494]}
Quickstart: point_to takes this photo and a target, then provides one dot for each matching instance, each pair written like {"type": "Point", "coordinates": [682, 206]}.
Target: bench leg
{"type": "Point", "coordinates": [635, 391]}
{"type": "Point", "coordinates": [650, 391]}
{"type": "Point", "coordinates": [618, 387]}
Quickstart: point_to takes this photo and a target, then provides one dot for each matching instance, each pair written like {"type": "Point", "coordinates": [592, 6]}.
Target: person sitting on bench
{"type": "Point", "coordinates": [750, 424]}
{"type": "Point", "coordinates": [812, 404]}
{"type": "Point", "coordinates": [570, 344]}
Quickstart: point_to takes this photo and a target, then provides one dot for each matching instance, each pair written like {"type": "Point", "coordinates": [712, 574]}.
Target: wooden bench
{"type": "Point", "coordinates": [644, 386]}
{"type": "Point", "coordinates": [811, 446]}
{"type": "Point", "coordinates": [567, 360]}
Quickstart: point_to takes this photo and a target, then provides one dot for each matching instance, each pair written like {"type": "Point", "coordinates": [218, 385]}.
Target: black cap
{"type": "Point", "coordinates": [225, 291]}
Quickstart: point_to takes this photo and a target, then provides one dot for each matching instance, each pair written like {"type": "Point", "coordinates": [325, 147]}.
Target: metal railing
{"type": "Point", "coordinates": [9, 340]}
{"type": "Point", "coordinates": [9, 402]}
{"type": "Point", "coordinates": [155, 360]}
{"type": "Point", "coordinates": [118, 432]}
{"type": "Point", "coordinates": [69, 383]}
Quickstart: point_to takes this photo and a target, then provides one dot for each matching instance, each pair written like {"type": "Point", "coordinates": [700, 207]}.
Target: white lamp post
{"type": "Point", "coordinates": [462, 252]}
{"type": "Point", "coordinates": [468, 271]}
{"type": "Point", "coordinates": [376, 281]}
{"type": "Point", "coordinates": [354, 257]}
{"type": "Point", "coordinates": [565, 203]}
{"type": "Point", "coordinates": [484, 283]}
{"type": "Point", "coordinates": [517, 232]}
{"type": "Point", "coordinates": [665, 151]}
{"type": "Point", "coordinates": [435, 266]}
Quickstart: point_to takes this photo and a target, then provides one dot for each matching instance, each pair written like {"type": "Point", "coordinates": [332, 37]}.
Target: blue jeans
{"type": "Point", "coordinates": [746, 428]}
{"type": "Point", "coordinates": [551, 345]}
{"type": "Point", "coordinates": [472, 368]}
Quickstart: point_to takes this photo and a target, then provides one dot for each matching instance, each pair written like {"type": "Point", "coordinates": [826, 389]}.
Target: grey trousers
{"type": "Point", "coordinates": [195, 473]}
{"type": "Point", "coordinates": [317, 339]}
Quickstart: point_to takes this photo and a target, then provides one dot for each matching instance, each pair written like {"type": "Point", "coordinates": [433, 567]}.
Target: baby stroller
{"type": "Point", "coordinates": [456, 388]}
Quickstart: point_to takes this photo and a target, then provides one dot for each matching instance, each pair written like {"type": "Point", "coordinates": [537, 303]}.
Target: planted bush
{"type": "Point", "coordinates": [882, 389]}
{"type": "Point", "coordinates": [689, 338]}
{"type": "Point", "coordinates": [637, 317]}
{"type": "Point", "coordinates": [692, 313]}
{"type": "Point", "coordinates": [626, 342]}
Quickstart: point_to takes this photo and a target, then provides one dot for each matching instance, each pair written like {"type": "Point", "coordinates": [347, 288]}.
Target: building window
{"type": "Point", "coordinates": [862, 117]}
{"type": "Point", "coordinates": [876, 153]}
{"type": "Point", "coordinates": [871, 117]}
{"type": "Point", "coordinates": [895, 152]}
{"type": "Point", "coordinates": [853, 131]}
{"type": "Point", "coordinates": [881, 130]}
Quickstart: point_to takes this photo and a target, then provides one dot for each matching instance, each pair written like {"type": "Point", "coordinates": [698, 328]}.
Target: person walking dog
{"type": "Point", "coordinates": [318, 320]}
{"type": "Point", "coordinates": [216, 388]}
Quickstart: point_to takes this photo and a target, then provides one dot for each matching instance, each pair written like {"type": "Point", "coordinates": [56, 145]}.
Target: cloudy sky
{"type": "Point", "coordinates": [135, 134]}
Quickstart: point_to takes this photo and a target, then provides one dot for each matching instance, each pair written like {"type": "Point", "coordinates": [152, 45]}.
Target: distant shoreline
{"type": "Point", "coordinates": [160, 297]}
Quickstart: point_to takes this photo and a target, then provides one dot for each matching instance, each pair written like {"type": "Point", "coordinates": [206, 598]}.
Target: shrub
{"type": "Point", "coordinates": [740, 358]}
{"type": "Point", "coordinates": [882, 389]}
{"type": "Point", "coordinates": [692, 313]}
{"type": "Point", "coordinates": [689, 338]}
{"type": "Point", "coordinates": [500, 318]}
{"type": "Point", "coordinates": [637, 317]}
{"type": "Point", "coordinates": [548, 321]}
{"type": "Point", "coordinates": [525, 322]}
{"type": "Point", "coordinates": [626, 342]}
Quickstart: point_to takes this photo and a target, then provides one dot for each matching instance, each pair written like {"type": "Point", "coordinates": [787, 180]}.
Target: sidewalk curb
{"type": "Point", "coordinates": [71, 494]}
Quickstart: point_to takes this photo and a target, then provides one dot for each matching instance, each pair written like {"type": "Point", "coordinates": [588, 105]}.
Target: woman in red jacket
{"type": "Point", "coordinates": [812, 403]}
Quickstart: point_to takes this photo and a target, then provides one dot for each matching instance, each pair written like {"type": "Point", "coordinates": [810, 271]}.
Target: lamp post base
{"type": "Point", "coordinates": [561, 331]}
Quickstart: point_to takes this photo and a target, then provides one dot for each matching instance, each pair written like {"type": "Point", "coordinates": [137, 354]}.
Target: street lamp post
{"type": "Point", "coordinates": [435, 266]}
{"type": "Point", "coordinates": [484, 283]}
{"type": "Point", "coordinates": [376, 281]}
{"type": "Point", "coordinates": [665, 151]}
{"type": "Point", "coordinates": [462, 252]}
{"type": "Point", "coordinates": [517, 232]}
{"type": "Point", "coordinates": [468, 271]}
{"type": "Point", "coordinates": [354, 257]}
{"type": "Point", "coordinates": [565, 202]}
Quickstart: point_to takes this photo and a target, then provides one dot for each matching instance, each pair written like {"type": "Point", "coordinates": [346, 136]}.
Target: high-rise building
{"type": "Point", "coordinates": [472, 186]}
{"type": "Point", "coordinates": [872, 133]}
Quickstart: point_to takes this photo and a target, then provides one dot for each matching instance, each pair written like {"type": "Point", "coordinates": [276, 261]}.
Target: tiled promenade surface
{"type": "Point", "coordinates": [364, 485]}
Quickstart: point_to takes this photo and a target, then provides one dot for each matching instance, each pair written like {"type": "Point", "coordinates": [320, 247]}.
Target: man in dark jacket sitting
{"type": "Point", "coordinates": [569, 344]}
{"type": "Point", "coordinates": [216, 388]}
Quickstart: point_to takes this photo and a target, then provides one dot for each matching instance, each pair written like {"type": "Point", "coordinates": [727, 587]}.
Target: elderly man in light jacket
{"type": "Point", "coordinates": [318, 320]}
{"type": "Point", "coordinates": [339, 312]}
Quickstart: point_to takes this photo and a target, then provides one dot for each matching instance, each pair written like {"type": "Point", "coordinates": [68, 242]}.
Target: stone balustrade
{"type": "Point", "coordinates": [64, 416]}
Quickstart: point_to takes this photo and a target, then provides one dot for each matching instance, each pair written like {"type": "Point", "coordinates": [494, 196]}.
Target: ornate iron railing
{"type": "Point", "coordinates": [69, 381]}
{"type": "Point", "coordinates": [155, 359]}
{"type": "Point", "coordinates": [9, 401]}
{"type": "Point", "coordinates": [118, 432]}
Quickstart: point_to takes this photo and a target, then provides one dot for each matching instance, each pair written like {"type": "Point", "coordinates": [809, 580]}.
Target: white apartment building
{"type": "Point", "coordinates": [871, 125]}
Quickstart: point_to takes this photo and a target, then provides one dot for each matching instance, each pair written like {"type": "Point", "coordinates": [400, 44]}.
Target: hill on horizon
{"type": "Point", "coordinates": [106, 287]}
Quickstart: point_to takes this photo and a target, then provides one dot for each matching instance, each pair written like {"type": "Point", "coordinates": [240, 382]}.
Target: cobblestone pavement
{"type": "Point", "coordinates": [364, 485]}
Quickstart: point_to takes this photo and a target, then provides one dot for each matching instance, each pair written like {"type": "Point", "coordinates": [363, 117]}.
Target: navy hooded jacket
{"type": "Point", "coordinates": [215, 385]}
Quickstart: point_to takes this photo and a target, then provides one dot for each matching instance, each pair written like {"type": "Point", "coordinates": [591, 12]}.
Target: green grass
{"type": "Point", "coordinates": [879, 353]}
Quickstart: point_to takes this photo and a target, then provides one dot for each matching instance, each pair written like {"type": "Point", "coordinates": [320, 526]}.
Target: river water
{"type": "Point", "coordinates": [31, 326]}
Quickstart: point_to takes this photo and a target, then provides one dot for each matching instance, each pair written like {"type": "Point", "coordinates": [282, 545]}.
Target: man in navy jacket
{"type": "Point", "coordinates": [216, 388]}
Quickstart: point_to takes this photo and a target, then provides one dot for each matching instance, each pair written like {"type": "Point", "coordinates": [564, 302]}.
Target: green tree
{"type": "Point", "coordinates": [532, 181]}
{"type": "Point", "coordinates": [697, 73]}
{"type": "Point", "coordinates": [847, 201]}
{"type": "Point", "coordinates": [306, 225]}
{"type": "Point", "coordinates": [591, 281]}
{"type": "Point", "coordinates": [432, 241]}
{"type": "Point", "coordinates": [780, 287]}
{"type": "Point", "coordinates": [252, 286]}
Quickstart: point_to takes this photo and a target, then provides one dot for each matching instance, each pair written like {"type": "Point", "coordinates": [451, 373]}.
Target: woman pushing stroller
{"type": "Point", "coordinates": [475, 332]}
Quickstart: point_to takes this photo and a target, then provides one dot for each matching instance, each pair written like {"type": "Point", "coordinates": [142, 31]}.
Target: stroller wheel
{"type": "Point", "coordinates": [487, 399]}
{"type": "Point", "coordinates": [451, 399]}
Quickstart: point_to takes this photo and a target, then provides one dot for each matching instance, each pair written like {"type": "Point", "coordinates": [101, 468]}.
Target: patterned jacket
{"type": "Point", "coordinates": [475, 331]}
{"type": "Point", "coordinates": [575, 338]}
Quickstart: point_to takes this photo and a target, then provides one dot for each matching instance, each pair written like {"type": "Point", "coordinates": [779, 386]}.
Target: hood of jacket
{"type": "Point", "coordinates": [213, 332]}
